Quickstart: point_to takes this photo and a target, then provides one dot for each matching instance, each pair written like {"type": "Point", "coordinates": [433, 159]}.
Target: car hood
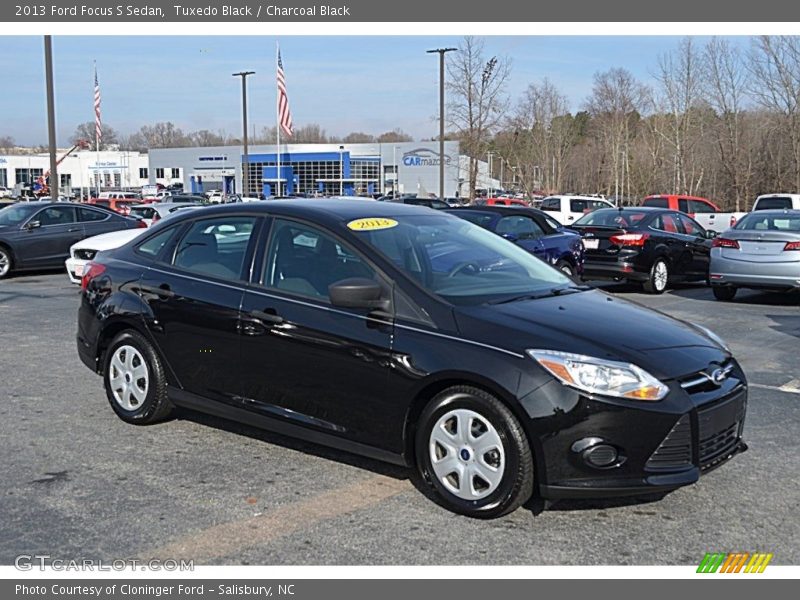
{"type": "Point", "coordinates": [595, 324]}
{"type": "Point", "coordinates": [109, 241]}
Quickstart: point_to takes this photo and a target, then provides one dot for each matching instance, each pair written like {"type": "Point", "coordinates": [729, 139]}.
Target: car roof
{"type": "Point", "coordinates": [775, 212]}
{"type": "Point", "coordinates": [327, 209]}
{"type": "Point", "coordinates": [499, 209]}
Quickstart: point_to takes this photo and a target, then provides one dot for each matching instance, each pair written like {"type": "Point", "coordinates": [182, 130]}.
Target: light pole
{"type": "Point", "coordinates": [396, 172]}
{"type": "Point", "coordinates": [442, 52]}
{"type": "Point", "coordinates": [246, 157]}
{"type": "Point", "coordinates": [341, 170]}
{"type": "Point", "coordinates": [489, 155]}
{"type": "Point", "coordinates": [51, 117]}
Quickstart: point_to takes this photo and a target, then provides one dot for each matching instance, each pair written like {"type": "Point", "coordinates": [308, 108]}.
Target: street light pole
{"type": "Point", "coordinates": [51, 116]}
{"type": "Point", "coordinates": [442, 52]}
{"type": "Point", "coordinates": [245, 157]}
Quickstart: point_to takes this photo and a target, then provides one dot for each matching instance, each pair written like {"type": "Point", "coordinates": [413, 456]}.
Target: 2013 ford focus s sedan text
{"type": "Point", "coordinates": [410, 336]}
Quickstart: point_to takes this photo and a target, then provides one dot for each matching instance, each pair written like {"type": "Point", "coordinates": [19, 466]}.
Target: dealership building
{"type": "Point", "coordinates": [331, 169]}
{"type": "Point", "coordinates": [83, 170]}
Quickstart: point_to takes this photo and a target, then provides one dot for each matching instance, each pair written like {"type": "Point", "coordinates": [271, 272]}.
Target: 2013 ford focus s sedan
{"type": "Point", "coordinates": [414, 337]}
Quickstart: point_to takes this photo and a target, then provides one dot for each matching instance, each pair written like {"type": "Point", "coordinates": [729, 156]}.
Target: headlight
{"type": "Point", "coordinates": [714, 337]}
{"type": "Point", "coordinates": [602, 377]}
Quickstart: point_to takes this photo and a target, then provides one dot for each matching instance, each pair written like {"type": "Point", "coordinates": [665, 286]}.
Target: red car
{"type": "Point", "coordinates": [685, 204]}
{"type": "Point", "coordinates": [121, 206]}
{"type": "Point", "coordinates": [500, 202]}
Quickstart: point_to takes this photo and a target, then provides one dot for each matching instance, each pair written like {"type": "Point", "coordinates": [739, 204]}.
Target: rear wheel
{"type": "Point", "coordinates": [6, 262]}
{"type": "Point", "coordinates": [473, 454]}
{"type": "Point", "coordinates": [723, 292]}
{"type": "Point", "coordinates": [658, 278]}
{"type": "Point", "coordinates": [134, 379]}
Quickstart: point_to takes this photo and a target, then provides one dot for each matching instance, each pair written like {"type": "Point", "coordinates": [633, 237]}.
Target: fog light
{"type": "Point", "coordinates": [601, 455]}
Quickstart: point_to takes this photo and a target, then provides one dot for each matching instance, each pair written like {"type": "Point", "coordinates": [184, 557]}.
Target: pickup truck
{"type": "Point", "coordinates": [701, 210]}
{"type": "Point", "coordinates": [777, 202]}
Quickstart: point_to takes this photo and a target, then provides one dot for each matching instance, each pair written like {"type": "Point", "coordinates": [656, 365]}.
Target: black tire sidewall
{"type": "Point", "coordinates": [723, 293]}
{"type": "Point", "coordinates": [146, 411]}
{"type": "Point", "coordinates": [496, 503]}
{"type": "Point", "coordinates": [563, 263]}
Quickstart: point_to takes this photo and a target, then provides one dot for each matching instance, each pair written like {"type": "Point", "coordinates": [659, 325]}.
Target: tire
{"type": "Point", "coordinates": [501, 479]}
{"type": "Point", "coordinates": [723, 292]}
{"type": "Point", "coordinates": [566, 268]}
{"type": "Point", "coordinates": [134, 379]}
{"type": "Point", "coordinates": [658, 279]}
{"type": "Point", "coordinates": [6, 262]}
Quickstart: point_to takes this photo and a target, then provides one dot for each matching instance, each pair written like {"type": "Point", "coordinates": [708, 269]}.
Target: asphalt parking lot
{"type": "Point", "coordinates": [79, 483]}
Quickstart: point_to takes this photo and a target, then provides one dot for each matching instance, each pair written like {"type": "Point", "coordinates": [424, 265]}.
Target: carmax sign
{"type": "Point", "coordinates": [423, 157]}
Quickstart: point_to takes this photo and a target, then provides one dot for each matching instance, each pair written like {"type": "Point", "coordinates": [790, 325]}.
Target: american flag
{"type": "Point", "coordinates": [98, 127]}
{"type": "Point", "coordinates": [284, 114]}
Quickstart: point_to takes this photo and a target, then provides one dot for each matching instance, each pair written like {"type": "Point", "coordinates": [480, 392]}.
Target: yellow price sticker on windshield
{"type": "Point", "coordinates": [371, 224]}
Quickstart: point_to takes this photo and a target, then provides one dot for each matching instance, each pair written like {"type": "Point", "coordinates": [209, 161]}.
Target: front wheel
{"type": "Point", "coordinates": [723, 292]}
{"type": "Point", "coordinates": [566, 268]}
{"type": "Point", "coordinates": [134, 379]}
{"type": "Point", "coordinates": [658, 278]}
{"type": "Point", "coordinates": [473, 453]}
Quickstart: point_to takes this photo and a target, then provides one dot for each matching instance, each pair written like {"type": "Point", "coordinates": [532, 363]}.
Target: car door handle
{"type": "Point", "coordinates": [74, 229]}
{"type": "Point", "coordinates": [161, 291]}
{"type": "Point", "coordinates": [267, 317]}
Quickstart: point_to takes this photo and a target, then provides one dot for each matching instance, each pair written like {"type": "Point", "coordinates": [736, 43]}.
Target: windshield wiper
{"type": "Point", "coordinates": [555, 291]}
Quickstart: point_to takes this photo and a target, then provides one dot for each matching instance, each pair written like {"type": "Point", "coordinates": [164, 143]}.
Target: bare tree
{"type": "Point", "coordinates": [85, 131]}
{"type": "Point", "coordinates": [309, 134]}
{"type": "Point", "coordinates": [7, 144]}
{"type": "Point", "coordinates": [615, 105]}
{"type": "Point", "coordinates": [774, 63]}
{"type": "Point", "coordinates": [160, 135]}
{"type": "Point", "coordinates": [544, 135]}
{"type": "Point", "coordinates": [725, 88]}
{"type": "Point", "coordinates": [478, 99]}
{"type": "Point", "coordinates": [205, 138]}
{"type": "Point", "coordinates": [358, 137]}
{"type": "Point", "coordinates": [679, 79]}
{"type": "Point", "coordinates": [395, 136]}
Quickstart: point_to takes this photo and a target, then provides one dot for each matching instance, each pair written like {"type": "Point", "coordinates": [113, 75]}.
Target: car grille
{"type": "Point", "coordinates": [719, 429]}
{"type": "Point", "coordinates": [676, 449]}
{"type": "Point", "coordinates": [85, 254]}
{"type": "Point", "coordinates": [701, 381]}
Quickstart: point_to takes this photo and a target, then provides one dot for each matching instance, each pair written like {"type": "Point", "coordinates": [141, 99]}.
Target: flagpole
{"type": "Point", "coordinates": [96, 149]}
{"type": "Point", "coordinates": [277, 122]}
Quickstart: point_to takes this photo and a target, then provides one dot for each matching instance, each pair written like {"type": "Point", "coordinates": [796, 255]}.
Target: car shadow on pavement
{"type": "Point", "coordinates": [785, 324]}
{"type": "Point", "coordinates": [538, 505]}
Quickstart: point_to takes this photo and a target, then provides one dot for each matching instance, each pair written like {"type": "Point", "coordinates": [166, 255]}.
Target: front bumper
{"type": "Point", "coordinates": [660, 446]}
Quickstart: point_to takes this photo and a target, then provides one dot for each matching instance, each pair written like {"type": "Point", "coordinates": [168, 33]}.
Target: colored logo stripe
{"type": "Point", "coordinates": [734, 562]}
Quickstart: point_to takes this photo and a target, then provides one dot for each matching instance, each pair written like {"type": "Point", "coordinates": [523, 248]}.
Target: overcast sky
{"type": "Point", "coordinates": [369, 84]}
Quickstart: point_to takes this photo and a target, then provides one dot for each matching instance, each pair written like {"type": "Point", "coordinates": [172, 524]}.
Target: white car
{"type": "Point", "coordinates": [568, 209]}
{"type": "Point", "coordinates": [214, 196]}
{"type": "Point", "coordinates": [150, 213]}
{"type": "Point", "coordinates": [6, 192]}
{"type": "Point", "coordinates": [82, 252]}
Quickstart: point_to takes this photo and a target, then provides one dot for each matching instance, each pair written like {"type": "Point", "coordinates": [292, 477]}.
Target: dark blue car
{"type": "Point", "coordinates": [533, 230]}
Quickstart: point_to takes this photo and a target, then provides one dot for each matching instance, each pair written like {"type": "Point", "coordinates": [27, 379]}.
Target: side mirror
{"type": "Point", "coordinates": [711, 234]}
{"type": "Point", "coordinates": [32, 225]}
{"type": "Point", "coordinates": [511, 237]}
{"type": "Point", "coordinates": [357, 292]}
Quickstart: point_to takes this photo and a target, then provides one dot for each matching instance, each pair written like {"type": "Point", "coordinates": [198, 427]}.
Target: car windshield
{"type": "Point", "coordinates": [460, 262]}
{"type": "Point", "coordinates": [770, 222]}
{"type": "Point", "coordinates": [16, 214]}
{"type": "Point", "coordinates": [612, 217]}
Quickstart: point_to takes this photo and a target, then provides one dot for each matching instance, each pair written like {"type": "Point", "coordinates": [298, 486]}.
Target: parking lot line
{"type": "Point", "coordinates": [789, 388]}
{"type": "Point", "coordinates": [228, 538]}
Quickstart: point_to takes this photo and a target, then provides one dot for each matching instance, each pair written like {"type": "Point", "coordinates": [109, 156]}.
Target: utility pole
{"type": "Point", "coordinates": [51, 116]}
{"type": "Point", "coordinates": [245, 157]}
{"type": "Point", "coordinates": [442, 52]}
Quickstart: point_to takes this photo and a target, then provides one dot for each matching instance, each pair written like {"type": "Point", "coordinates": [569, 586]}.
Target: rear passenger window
{"type": "Point", "coordinates": [776, 203]}
{"type": "Point", "coordinates": [656, 202]}
{"type": "Point", "coordinates": [695, 206]}
{"type": "Point", "coordinates": [154, 245]}
{"type": "Point", "coordinates": [683, 205]}
{"type": "Point", "coordinates": [304, 260]}
{"type": "Point", "coordinates": [215, 247]}
{"type": "Point", "coordinates": [87, 215]}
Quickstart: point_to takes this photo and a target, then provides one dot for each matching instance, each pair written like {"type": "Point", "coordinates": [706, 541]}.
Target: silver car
{"type": "Point", "coordinates": [762, 251]}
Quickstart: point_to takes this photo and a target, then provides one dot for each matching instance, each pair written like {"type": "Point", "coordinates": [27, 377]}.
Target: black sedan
{"type": "Point", "coordinates": [37, 235]}
{"type": "Point", "coordinates": [534, 230]}
{"type": "Point", "coordinates": [651, 246]}
{"type": "Point", "coordinates": [368, 327]}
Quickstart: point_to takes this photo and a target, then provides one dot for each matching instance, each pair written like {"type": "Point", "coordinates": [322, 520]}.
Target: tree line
{"type": "Point", "coordinates": [715, 120]}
